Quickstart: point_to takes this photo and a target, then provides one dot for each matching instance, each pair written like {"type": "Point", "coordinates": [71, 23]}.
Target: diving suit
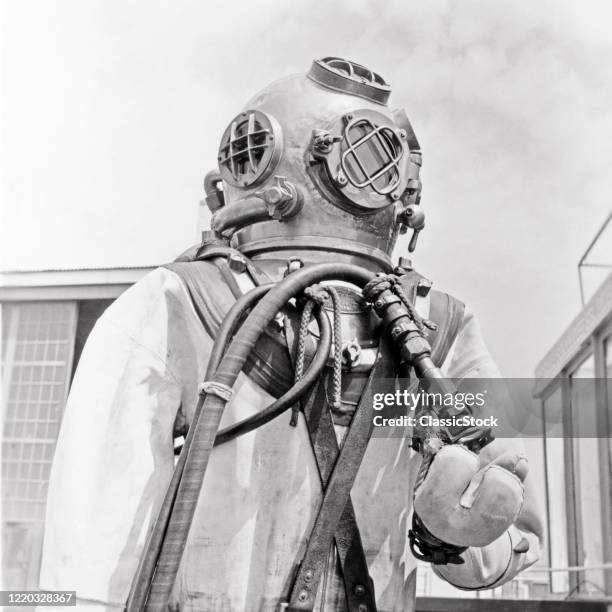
{"type": "Point", "coordinates": [257, 350]}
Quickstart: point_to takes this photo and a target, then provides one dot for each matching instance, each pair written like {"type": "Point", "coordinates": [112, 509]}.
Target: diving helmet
{"type": "Point", "coordinates": [317, 166]}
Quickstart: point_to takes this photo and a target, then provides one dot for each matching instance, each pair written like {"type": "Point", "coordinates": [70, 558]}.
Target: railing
{"type": "Point", "coordinates": [583, 263]}
{"type": "Point", "coordinates": [443, 604]}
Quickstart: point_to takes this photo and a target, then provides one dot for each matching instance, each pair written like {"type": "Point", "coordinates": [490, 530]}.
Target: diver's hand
{"type": "Point", "coordinates": [471, 500]}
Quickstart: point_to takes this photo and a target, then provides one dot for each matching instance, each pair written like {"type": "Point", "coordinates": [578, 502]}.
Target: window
{"type": "Point", "coordinates": [587, 475]}
{"type": "Point", "coordinates": [555, 491]}
{"type": "Point", "coordinates": [37, 352]}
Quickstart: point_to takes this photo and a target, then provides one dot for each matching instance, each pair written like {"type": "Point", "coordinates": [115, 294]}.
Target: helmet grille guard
{"type": "Point", "coordinates": [250, 147]}
{"type": "Point", "coordinates": [349, 77]}
{"type": "Point", "coordinates": [372, 156]}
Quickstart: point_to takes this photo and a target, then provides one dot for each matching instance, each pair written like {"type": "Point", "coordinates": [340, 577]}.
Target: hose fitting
{"type": "Point", "coordinates": [280, 201]}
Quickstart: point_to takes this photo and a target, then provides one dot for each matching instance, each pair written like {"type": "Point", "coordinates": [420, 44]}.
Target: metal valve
{"type": "Point", "coordinates": [351, 354]}
{"type": "Point", "coordinates": [413, 217]}
{"type": "Point", "coordinates": [282, 199]}
{"type": "Point", "coordinates": [322, 142]}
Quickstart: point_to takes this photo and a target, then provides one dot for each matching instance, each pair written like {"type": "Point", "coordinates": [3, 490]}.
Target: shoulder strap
{"type": "Point", "coordinates": [212, 298]}
{"type": "Point", "coordinates": [208, 291]}
{"type": "Point", "coordinates": [445, 310]}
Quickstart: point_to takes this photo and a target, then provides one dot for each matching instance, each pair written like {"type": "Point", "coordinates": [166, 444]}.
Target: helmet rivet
{"type": "Point", "coordinates": [395, 195]}
{"type": "Point", "coordinates": [293, 264]}
{"type": "Point", "coordinates": [348, 117]}
{"type": "Point", "coordinates": [303, 596]}
{"type": "Point", "coordinates": [402, 133]}
{"type": "Point", "coordinates": [236, 262]}
{"type": "Point", "coordinates": [341, 179]}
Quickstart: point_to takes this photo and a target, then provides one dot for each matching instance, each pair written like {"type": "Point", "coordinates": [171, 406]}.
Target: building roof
{"type": "Point", "coordinates": [68, 284]}
{"type": "Point", "coordinates": [596, 312]}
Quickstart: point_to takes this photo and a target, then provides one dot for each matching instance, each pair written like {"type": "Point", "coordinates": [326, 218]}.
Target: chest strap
{"type": "Point", "coordinates": [335, 520]}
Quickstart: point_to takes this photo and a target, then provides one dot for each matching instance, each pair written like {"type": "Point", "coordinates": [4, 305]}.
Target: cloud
{"type": "Point", "coordinates": [112, 114]}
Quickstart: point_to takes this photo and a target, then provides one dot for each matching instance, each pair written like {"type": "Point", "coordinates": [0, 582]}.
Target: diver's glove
{"type": "Point", "coordinates": [466, 500]}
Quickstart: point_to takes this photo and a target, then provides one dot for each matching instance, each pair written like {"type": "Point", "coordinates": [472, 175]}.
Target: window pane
{"type": "Point", "coordinates": [34, 401]}
{"type": "Point", "coordinates": [555, 469]}
{"type": "Point", "coordinates": [586, 470]}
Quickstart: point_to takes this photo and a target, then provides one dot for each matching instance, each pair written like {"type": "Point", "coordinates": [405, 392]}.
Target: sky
{"type": "Point", "coordinates": [112, 113]}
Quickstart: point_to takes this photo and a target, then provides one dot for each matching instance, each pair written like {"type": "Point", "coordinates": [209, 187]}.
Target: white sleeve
{"type": "Point", "coordinates": [114, 456]}
{"type": "Point", "coordinates": [519, 547]}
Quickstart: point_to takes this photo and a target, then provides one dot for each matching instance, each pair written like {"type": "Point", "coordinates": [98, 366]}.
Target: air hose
{"type": "Point", "coordinates": [230, 323]}
{"type": "Point", "coordinates": [146, 568]}
{"type": "Point", "coordinates": [216, 393]}
{"type": "Point", "coordinates": [296, 392]}
{"type": "Point", "coordinates": [280, 201]}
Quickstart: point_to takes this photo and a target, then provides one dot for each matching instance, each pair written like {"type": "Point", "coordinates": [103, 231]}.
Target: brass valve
{"type": "Point", "coordinates": [414, 218]}
{"type": "Point", "coordinates": [282, 199]}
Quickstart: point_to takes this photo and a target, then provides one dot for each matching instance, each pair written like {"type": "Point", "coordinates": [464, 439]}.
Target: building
{"type": "Point", "coordinates": [574, 386]}
{"type": "Point", "coordinates": [46, 318]}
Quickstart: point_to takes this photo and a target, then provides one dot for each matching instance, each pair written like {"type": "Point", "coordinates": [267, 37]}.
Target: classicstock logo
{"type": "Point", "coordinates": [511, 407]}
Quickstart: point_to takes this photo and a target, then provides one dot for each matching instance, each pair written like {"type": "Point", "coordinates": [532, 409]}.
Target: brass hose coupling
{"type": "Point", "coordinates": [406, 330]}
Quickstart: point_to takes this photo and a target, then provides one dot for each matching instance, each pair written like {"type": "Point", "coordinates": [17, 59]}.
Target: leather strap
{"type": "Point", "coordinates": [447, 312]}
{"type": "Point", "coordinates": [358, 586]}
{"type": "Point", "coordinates": [269, 364]}
{"type": "Point", "coordinates": [336, 505]}
{"type": "Point", "coordinates": [214, 250]}
{"type": "Point", "coordinates": [209, 307]}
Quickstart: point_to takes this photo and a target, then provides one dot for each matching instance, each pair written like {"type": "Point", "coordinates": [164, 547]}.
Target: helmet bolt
{"type": "Point", "coordinates": [293, 264]}
{"type": "Point", "coordinates": [323, 142]}
{"type": "Point", "coordinates": [237, 263]}
{"type": "Point", "coordinates": [402, 133]}
{"type": "Point", "coordinates": [359, 590]}
{"type": "Point", "coordinates": [303, 596]}
{"type": "Point", "coordinates": [341, 179]}
{"type": "Point", "coordinates": [273, 195]}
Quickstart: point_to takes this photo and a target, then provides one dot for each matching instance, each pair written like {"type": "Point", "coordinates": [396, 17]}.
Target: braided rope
{"type": "Point", "coordinates": [211, 387]}
{"type": "Point", "coordinates": [337, 371]}
{"type": "Point", "coordinates": [429, 448]}
{"type": "Point", "coordinates": [419, 321]}
{"type": "Point", "coordinates": [316, 295]}
{"type": "Point", "coordinates": [315, 298]}
{"type": "Point", "coordinates": [392, 282]}
{"type": "Point", "coordinates": [302, 333]}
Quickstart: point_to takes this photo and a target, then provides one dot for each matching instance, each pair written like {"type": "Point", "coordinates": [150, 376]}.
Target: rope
{"type": "Point", "coordinates": [429, 448]}
{"type": "Point", "coordinates": [420, 321]}
{"type": "Point", "coordinates": [316, 295]}
{"type": "Point", "coordinates": [336, 402]}
{"type": "Point", "coordinates": [301, 348]}
{"type": "Point", "coordinates": [210, 387]}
